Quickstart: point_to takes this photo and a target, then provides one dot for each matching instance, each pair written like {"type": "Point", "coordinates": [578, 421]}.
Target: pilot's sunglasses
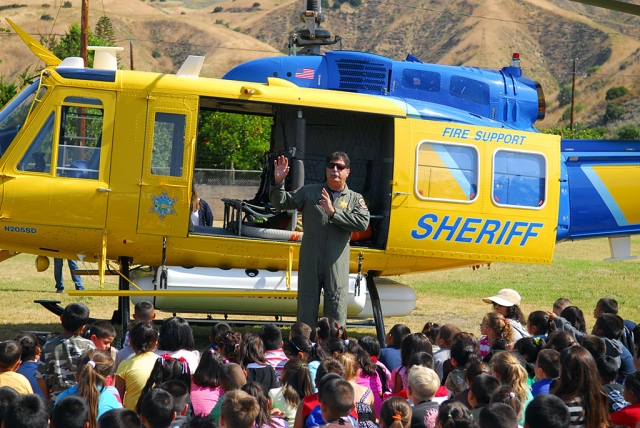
{"type": "Point", "coordinates": [331, 165]}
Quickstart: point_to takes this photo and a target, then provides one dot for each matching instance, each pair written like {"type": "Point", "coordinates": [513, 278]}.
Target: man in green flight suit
{"type": "Point", "coordinates": [330, 212]}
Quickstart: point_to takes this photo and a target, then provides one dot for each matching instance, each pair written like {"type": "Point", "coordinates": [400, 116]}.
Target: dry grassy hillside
{"type": "Point", "coordinates": [547, 33]}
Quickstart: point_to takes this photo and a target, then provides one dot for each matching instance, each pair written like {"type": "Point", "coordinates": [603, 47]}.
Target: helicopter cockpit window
{"type": "Point", "coordinates": [447, 172]}
{"type": "Point", "coordinates": [80, 138]}
{"type": "Point", "coordinates": [38, 155]}
{"type": "Point", "coordinates": [519, 179]}
{"type": "Point", "coordinates": [168, 144]}
{"type": "Point", "coordinates": [14, 114]}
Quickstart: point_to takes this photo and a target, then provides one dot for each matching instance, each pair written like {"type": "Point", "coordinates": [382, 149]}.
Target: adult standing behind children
{"type": "Point", "coordinates": [330, 212]}
{"type": "Point", "coordinates": [61, 354]}
{"type": "Point", "coordinates": [57, 273]}
{"type": "Point", "coordinates": [507, 302]}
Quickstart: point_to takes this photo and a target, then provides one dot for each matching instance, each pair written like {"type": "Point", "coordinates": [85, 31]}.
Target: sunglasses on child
{"type": "Point", "coordinates": [331, 165]}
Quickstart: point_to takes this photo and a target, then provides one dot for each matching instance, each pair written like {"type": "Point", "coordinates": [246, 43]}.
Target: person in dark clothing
{"type": "Point", "coordinates": [201, 214]}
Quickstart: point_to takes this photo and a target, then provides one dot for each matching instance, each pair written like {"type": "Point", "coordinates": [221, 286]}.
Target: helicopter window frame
{"type": "Point", "coordinates": [86, 110]}
{"type": "Point", "coordinates": [532, 157]}
{"type": "Point", "coordinates": [457, 172]}
{"type": "Point", "coordinates": [45, 137]}
{"type": "Point", "coordinates": [178, 134]}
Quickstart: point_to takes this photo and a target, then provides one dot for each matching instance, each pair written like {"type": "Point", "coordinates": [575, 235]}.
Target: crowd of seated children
{"type": "Point", "coordinates": [259, 380]}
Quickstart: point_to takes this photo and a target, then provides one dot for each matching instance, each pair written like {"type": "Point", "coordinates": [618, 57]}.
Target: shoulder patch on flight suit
{"type": "Point", "coordinates": [363, 205]}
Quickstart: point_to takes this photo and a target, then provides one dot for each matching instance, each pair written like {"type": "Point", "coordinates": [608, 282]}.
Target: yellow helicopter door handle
{"type": "Point", "coordinates": [401, 193]}
{"type": "Point", "coordinates": [102, 190]}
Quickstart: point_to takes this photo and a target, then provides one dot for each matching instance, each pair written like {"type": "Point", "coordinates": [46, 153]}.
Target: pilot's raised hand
{"type": "Point", "coordinates": [326, 204]}
{"type": "Point", "coordinates": [281, 169]}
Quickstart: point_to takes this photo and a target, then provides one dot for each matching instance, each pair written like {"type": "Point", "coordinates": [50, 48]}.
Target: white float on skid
{"type": "Point", "coordinates": [396, 299]}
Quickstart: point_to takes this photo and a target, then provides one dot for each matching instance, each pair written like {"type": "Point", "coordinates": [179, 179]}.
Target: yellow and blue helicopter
{"type": "Point", "coordinates": [97, 164]}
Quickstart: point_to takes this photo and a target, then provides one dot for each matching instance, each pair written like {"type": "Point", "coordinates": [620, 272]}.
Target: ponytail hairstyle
{"type": "Point", "coordinates": [164, 369]}
{"type": "Point", "coordinates": [229, 346]}
{"type": "Point", "coordinates": [431, 330]}
{"type": "Point", "coordinates": [509, 371]}
{"type": "Point", "coordinates": [94, 367]}
{"type": "Point", "coordinates": [541, 321]}
{"type": "Point", "coordinates": [350, 365]}
{"type": "Point", "coordinates": [334, 346]}
{"type": "Point", "coordinates": [258, 391]}
{"type": "Point", "coordinates": [252, 350]}
{"type": "Point", "coordinates": [297, 344]}
{"type": "Point", "coordinates": [498, 325]}
{"type": "Point", "coordinates": [453, 414]}
{"type": "Point", "coordinates": [372, 346]}
{"type": "Point", "coordinates": [328, 328]}
{"type": "Point", "coordinates": [364, 359]}
{"type": "Point", "coordinates": [395, 413]}
{"type": "Point", "coordinates": [506, 395]}
{"type": "Point", "coordinates": [206, 375]}
{"type": "Point", "coordinates": [529, 348]}
{"type": "Point", "coordinates": [296, 381]}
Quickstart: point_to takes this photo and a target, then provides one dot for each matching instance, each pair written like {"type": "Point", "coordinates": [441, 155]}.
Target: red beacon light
{"type": "Point", "coordinates": [515, 60]}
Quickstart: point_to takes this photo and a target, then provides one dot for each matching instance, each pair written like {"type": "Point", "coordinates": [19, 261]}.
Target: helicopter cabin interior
{"type": "Point", "coordinates": [307, 135]}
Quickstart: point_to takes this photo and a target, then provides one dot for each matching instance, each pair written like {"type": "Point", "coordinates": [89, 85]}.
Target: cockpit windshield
{"type": "Point", "coordinates": [14, 114]}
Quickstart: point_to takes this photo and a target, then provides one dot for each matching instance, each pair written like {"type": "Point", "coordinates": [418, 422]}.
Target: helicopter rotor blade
{"type": "Point", "coordinates": [616, 5]}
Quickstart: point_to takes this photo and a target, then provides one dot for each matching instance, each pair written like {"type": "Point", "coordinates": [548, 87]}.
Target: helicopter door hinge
{"type": "Point", "coordinates": [142, 183]}
{"type": "Point", "coordinates": [150, 98]}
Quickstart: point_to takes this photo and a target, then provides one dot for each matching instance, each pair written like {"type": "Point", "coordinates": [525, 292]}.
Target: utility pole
{"type": "Point", "coordinates": [84, 32]}
{"type": "Point", "coordinates": [131, 54]}
{"type": "Point", "coordinates": [573, 91]}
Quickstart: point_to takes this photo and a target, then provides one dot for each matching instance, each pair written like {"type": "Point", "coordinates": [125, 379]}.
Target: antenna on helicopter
{"type": "Point", "coordinates": [313, 37]}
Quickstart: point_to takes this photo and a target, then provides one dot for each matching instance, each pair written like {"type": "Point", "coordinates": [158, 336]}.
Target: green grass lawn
{"type": "Point", "coordinates": [578, 272]}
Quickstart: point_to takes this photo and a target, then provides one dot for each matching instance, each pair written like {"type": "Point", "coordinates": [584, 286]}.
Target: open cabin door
{"type": "Point", "coordinates": [168, 164]}
{"type": "Point", "coordinates": [59, 173]}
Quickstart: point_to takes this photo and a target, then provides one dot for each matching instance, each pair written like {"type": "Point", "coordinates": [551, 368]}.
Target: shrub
{"type": "Point", "coordinates": [628, 132]}
{"type": "Point", "coordinates": [593, 69]}
{"type": "Point", "coordinates": [613, 112]}
{"type": "Point", "coordinates": [46, 17]}
{"type": "Point", "coordinates": [46, 5]}
{"type": "Point", "coordinates": [67, 4]}
{"type": "Point", "coordinates": [156, 54]}
{"type": "Point", "coordinates": [219, 22]}
{"type": "Point", "coordinates": [615, 92]}
{"type": "Point", "coordinates": [564, 96]}
{"type": "Point", "coordinates": [256, 4]}
{"type": "Point", "coordinates": [218, 9]}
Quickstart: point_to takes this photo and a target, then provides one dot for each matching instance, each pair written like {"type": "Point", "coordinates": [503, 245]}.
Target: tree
{"type": "Point", "coordinates": [105, 31]}
{"type": "Point", "coordinates": [613, 112]}
{"type": "Point", "coordinates": [628, 132]}
{"type": "Point", "coordinates": [575, 134]}
{"type": "Point", "coordinates": [226, 139]}
{"type": "Point", "coordinates": [615, 92]}
{"type": "Point", "coordinates": [69, 44]}
{"type": "Point", "coordinates": [564, 96]}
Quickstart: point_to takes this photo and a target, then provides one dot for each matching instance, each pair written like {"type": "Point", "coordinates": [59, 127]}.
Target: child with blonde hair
{"type": "Point", "coordinates": [494, 326]}
{"type": "Point", "coordinates": [507, 368]}
{"type": "Point", "coordinates": [423, 384]}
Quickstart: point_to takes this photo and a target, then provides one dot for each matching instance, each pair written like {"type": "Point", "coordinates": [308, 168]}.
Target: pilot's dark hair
{"type": "Point", "coordinates": [119, 418]}
{"type": "Point", "coordinates": [271, 336]}
{"type": "Point", "coordinates": [101, 329]}
{"type": "Point", "coordinates": [176, 334]}
{"type": "Point", "coordinates": [26, 411]}
{"type": "Point", "coordinates": [608, 306]}
{"type": "Point", "coordinates": [157, 408]}
{"type": "Point", "coordinates": [74, 316]}
{"type": "Point", "coordinates": [547, 411]}
{"type": "Point", "coordinates": [340, 155]}
{"type": "Point", "coordinates": [398, 332]}
{"type": "Point", "coordinates": [612, 326]}
{"type": "Point", "coordinates": [498, 415]}
{"type": "Point", "coordinates": [143, 337]}
{"type": "Point", "coordinates": [180, 393]}
{"type": "Point", "coordinates": [29, 344]}
{"type": "Point", "coordinates": [10, 352]}
{"type": "Point", "coordinates": [70, 411]}
{"type": "Point", "coordinates": [7, 395]}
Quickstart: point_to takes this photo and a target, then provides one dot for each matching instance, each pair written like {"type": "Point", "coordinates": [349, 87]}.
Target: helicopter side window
{"type": "Point", "coordinates": [446, 172]}
{"type": "Point", "coordinates": [38, 155]}
{"type": "Point", "coordinates": [519, 179]}
{"type": "Point", "coordinates": [168, 144]}
{"type": "Point", "coordinates": [80, 139]}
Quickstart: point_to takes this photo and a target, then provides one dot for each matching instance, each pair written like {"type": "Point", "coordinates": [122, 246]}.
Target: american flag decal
{"type": "Point", "coordinates": [305, 73]}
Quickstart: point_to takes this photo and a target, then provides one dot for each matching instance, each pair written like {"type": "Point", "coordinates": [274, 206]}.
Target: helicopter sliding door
{"type": "Point", "coordinates": [58, 174]}
{"type": "Point", "coordinates": [168, 165]}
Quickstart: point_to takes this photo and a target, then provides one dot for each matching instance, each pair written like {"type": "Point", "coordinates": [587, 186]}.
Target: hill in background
{"type": "Point", "coordinates": [547, 34]}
